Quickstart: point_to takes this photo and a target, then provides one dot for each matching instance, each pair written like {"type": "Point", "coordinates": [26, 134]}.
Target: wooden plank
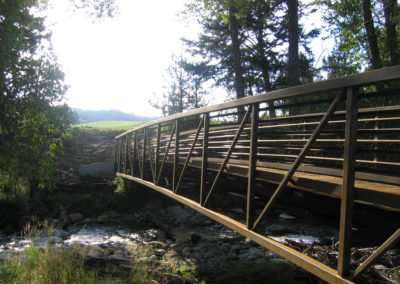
{"type": "Point", "coordinates": [251, 179]}
{"type": "Point", "coordinates": [299, 159]}
{"type": "Point", "coordinates": [307, 263]}
{"type": "Point", "coordinates": [365, 192]}
{"type": "Point", "coordinates": [370, 77]}
{"type": "Point", "coordinates": [346, 208]}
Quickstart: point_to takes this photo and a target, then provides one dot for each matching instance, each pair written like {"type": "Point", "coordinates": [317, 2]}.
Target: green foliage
{"type": "Point", "coordinates": [32, 116]}
{"type": "Point", "coordinates": [184, 89]}
{"type": "Point", "coordinates": [48, 265]}
{"type": "Point", "coordinates": [397, 276]}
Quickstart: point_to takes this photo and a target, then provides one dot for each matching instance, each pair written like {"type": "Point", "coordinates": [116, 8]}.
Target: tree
{"type": "Point", "coordinates": [33, 117]}
{"type": "Point", "coordinates": [293, 35]}
{"type": "Point", "coordinates": [184, 89]}
{"type": "Point", "coordinates": [363, 40]}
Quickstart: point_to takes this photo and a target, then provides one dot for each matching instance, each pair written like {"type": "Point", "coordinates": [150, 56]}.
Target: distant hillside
{"type": "Point", "coordinates": [107, 115]}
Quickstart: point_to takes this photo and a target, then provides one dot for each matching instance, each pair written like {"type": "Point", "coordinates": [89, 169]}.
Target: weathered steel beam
{"type": "Point", "coordinates": [176, 156]}
{"type": "Point", "coordinates": [204, 159]}
{"type": "Point", "coordinates": [347, 198]}
{"type": "Point", "coordinates": [309, 264]}
{"type": "Point", "coordinates": [251, 179]}
{"type": "Point", "coordinates": [370, 77]}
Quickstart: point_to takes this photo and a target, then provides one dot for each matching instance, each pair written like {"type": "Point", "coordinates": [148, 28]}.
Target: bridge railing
{"type": "Point", "coordinates": [346, 129]}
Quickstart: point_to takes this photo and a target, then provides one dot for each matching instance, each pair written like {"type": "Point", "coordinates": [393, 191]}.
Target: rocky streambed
{"type": "Point", "coordinates": [179, 245]}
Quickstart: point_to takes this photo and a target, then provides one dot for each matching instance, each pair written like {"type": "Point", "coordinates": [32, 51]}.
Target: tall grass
{"type": "Point", "coordinates": [47, 266]}
{"type": "Point", "coordinates": [110, 125]}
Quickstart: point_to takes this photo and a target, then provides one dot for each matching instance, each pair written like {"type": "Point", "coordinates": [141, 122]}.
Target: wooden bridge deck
{"type": "Point", "coordinates": [338, 138]}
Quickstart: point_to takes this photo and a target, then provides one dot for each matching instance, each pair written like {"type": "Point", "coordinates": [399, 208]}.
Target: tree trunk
{"type": "Point", "coordinates": [293, 60]}
{"type": "Point", "coordinates": [371, 35]}
{"type": "Point", "coordinates": [390, 11]}
{"type": "Point", "coordinates": [237, 61]}
{"type": "Point", "coordinates": [293, 64]}
{"type": "Point", "coordinates": [264, 66]}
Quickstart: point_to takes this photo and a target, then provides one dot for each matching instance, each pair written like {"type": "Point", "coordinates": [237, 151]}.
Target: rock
{"type": "Point", "coordinates": [286, 216]}
{"type": "Point", "coordinates": [160, 252]}
{"type": "Point", "coordinates": [156, 244]}
{"type": "Point", "coordinates": [179, 213]}
{"type": "Point", "coordinates": [60, 234]}
{"type": "Point", "coordinates": [112, 214]}
{"type": "Point", "coordinates": [252, 254]}
{"type": "Point", "coordinates": [195, 238]}
{"type": "Point", "coordinates": [87, 221]}
{"type": "Point", "coordinates": [175, 279]}
{"type": "Point", "coordinates": [186, 251]}
{"type": "Point", "coordinates": [96, 250]}
{"type": "Point", "coordinates": [128, 218]}
{"type": "Point", "coordinates": [103, 219]}
{"type": "Point", "coordinates": [100, 169]}
{"type": "Point", "coordinates": [278, 229]}
{"type": "Point", "coordinates": [75, 217]}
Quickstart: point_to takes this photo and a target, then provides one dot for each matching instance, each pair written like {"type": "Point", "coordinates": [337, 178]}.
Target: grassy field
{"type": "Point", "coordinates": [111, 125]}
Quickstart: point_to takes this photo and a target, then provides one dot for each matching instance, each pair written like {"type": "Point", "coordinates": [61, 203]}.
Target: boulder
{"type": "Point", "coordinates": [100, 169]}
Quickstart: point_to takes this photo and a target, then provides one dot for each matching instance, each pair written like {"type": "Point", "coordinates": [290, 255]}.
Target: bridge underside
{"type": "Point", "coordinates": [331, 147]}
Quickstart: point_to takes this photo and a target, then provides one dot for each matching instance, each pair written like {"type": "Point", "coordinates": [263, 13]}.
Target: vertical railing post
{"type": "Point", "coordinates": [157, 158]}
{"type": "Point", "coordinates": [203, 177]}
{"type": "Point", "coordinates": [144, 153]}
{"type": "Point", "coordinates": [126, 154]}
{"type": "Point", "coordinates": [176, 156]}
{"type": "Point", "coordinates": [134, 154]}
{"type": "Point", "coordinates": [252, 166]}
{"type": "Point", "coordinates": [115, 154]}
{"type": "Point", "coordinates": [119, 154]}
{"type": "Point", "coordinates": [346, 208]}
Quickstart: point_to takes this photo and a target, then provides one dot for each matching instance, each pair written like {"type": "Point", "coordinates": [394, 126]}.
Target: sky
{"type": "Point", "coordinates": [120, 63]}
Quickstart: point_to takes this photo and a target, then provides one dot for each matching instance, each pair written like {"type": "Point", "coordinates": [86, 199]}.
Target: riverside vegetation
{"type": "Point", "coordinates": [100, 230]}
{"type": "Point", "coordinates": [54, 223]}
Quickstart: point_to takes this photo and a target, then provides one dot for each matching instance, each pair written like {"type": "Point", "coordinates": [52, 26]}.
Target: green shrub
{"type": "Point", "coordinates": [46, 266]}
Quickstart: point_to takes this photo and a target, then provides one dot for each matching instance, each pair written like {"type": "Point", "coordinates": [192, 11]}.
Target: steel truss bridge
{"type": "Point", "coordinates": [337, 139]}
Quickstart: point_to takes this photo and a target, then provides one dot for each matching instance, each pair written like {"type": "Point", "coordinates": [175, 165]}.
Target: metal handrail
{"type": "Point", "coordinates": [369, 77]}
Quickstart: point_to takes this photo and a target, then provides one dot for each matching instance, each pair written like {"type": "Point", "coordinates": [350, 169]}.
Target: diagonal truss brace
{"type": "Point", "coordinates": [166, 153]}
{"type": "Point", "coordinates": [299, 158]}
{"type": "Point", "coordinates": [228, 155]}
{"type": "Point", "coordinates": [389, 243]}
{"type": "Point", "coordinates": [150, 154]}
{"type": "Point", "coordinates": [189, 154]}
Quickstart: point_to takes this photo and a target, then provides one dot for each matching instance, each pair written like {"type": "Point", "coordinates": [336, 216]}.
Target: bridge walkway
{"type": "Point", "coordinates": [334, 140]}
